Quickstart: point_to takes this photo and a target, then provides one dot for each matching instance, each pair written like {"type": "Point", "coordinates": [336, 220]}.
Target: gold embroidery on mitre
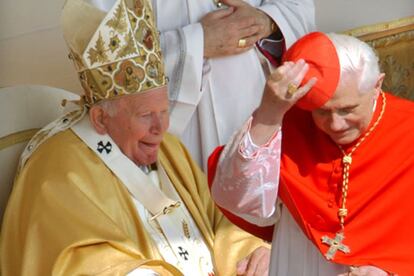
{"type": "Point", "coordinates": [118, 21]}
{"type": "Point", "coordinates": [145, 35]}
{"type": "Point", "coordinates": [154, 68]}
{"type": "Point", "coordinates": [114, 44]}
{"type": "Point", "coordinates": [139, 8]}
{"type": "Point", "coordinates": [121, 55]}
{"type": "Point", "coordinates": [129, 76]}
{"type": "Point", "coordinates": [98, 54]}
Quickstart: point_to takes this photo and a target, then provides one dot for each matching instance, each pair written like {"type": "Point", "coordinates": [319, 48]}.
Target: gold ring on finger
{"type": "Point", "coordinates": [242, 43]}
{"type": "Point", "coordinates": [292, 88]}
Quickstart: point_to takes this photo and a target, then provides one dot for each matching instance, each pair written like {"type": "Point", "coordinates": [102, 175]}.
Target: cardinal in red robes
{"type": "Point", "coordinates": [325, 165]}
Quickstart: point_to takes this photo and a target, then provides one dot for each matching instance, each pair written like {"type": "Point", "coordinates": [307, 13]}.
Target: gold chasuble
{"type": "Point", "coordinates": [70, 215]}
{"type": "Point", "coordinates": [73, 209]}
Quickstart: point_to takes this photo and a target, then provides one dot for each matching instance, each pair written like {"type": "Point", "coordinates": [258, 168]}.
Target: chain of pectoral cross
{"type": "Point", "coordinates": [336, 244]}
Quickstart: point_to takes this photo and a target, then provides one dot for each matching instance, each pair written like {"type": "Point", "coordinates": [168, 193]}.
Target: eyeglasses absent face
{"type": "Point", "coordinates": [348, 114]}
{"type": "Point", "coordinates": [139, 123]}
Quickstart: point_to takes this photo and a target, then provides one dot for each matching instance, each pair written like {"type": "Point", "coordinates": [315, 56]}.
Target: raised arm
{"type": "Point", "coordinates": [193, 34]}
{"type": "Point", "coordinates": [247, 177]}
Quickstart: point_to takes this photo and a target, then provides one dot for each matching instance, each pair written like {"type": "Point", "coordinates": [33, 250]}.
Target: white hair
{"type": "Point", "coordinates": [109, 106]}
{"type": "Point", "coordinates": [356, 59]}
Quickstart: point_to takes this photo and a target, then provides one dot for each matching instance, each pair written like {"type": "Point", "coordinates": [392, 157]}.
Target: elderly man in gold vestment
{"type": "Point", "coordinates": [103, 190]}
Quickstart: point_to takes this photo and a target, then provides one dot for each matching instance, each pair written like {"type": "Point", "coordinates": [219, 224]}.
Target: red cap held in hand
{"type": "Point", "coordinates": [319, 53]}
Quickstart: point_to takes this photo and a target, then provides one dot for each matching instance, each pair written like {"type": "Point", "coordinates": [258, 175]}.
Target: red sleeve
{"type": "Point", "coordinates": [264, 233]}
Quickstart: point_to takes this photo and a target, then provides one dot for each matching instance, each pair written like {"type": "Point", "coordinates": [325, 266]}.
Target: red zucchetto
{"type": "Point", "coordinates": [319, 53]}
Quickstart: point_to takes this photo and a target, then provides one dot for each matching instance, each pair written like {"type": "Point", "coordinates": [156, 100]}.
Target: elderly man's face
{"type": "Point", "coordinates": [348, 114]}
{"type": "Point", "coordinates": [139, 125]}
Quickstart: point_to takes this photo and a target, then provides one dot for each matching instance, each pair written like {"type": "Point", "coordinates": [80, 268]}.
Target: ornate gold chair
{"type": "Point", "coordinates": [394, 43]}
{"type": "Point", "coordinates": [23, 110]}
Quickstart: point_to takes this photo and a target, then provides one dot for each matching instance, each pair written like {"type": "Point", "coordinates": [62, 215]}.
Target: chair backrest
{"type": "Point", "coordinates": [394, 44]}
{"type": "Point", "coordinates": [23, 110]}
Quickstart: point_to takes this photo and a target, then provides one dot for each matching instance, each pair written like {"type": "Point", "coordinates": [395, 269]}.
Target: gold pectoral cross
{"type": "Point", "coordinates": [335, 245]}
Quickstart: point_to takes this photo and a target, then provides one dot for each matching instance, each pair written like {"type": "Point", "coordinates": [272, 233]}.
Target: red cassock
{"type": "Point", "coordinates": [379, 228]}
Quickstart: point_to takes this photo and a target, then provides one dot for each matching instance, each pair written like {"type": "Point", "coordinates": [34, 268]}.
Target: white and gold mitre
{"type": "Point", "coordinates": [115, 53]}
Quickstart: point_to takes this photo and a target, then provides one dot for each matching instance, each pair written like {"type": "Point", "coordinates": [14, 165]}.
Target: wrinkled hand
{"type": "Point", "coordinates": [256, 264]}
{"type": "Point", "coordinates": [276, 97]}
{"type": "Point", "coordinates": [244, 9]}
{"type": "Point", "coordinates": [225, 27]}
{"type": "Point", "coordinates": [365, 271]}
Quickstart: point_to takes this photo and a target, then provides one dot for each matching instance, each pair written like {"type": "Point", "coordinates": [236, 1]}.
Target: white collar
{"type": "Point", "coordinates": [136, 181]}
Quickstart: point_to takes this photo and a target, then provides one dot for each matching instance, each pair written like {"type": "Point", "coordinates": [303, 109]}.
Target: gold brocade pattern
{"type": "Point", "coordinates": [121, 55]}
{"type": "Point", "coordinates": [118, 22]}
{"type": "Point", "coordinates": [397, 61]}
{"type": "Point", "coordinates": [101, 236]}
{"type": "Point", "coordinates": [98, 53]}
{"type": "Point", "coordinates": [394, 44]}
{"type": "Point", "coordinates": [129, 76]}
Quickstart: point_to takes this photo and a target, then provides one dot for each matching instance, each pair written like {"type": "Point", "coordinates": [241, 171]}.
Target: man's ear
{"type": "Point", "coordinates": [380, 80]}
{"type": "Point", "coordinates": [97, 118]}
{"type": "Point", "coordinates": [378, 86]}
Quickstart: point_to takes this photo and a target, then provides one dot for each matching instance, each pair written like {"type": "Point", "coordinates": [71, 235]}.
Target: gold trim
{"type": "Point", "coordinates": [17, 137]}
{"type": "Point", "coordinates": [375, 31]}
{"type": "Point", "coordinates": [378, 35]}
